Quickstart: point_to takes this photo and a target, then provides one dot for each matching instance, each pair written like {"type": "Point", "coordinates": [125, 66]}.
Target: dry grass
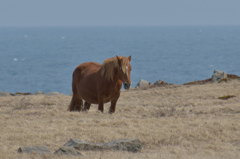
{"type": "Point", "coordinates": [187, 121]}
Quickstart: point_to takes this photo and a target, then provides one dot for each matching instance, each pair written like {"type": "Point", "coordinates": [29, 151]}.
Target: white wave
{"type": "Point", "coordinates": [15, 59]}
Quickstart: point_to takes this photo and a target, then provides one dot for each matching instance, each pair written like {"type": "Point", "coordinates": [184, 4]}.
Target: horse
{"type": "Point", "coordinates": [97, 83]}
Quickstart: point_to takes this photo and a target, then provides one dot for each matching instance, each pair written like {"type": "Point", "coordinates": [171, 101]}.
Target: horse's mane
{"type": "Point", "coordinates": [109, 65]}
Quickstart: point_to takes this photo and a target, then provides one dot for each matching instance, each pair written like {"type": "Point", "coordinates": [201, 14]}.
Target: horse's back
{"type": "Point", "coordinates": [86, 68]}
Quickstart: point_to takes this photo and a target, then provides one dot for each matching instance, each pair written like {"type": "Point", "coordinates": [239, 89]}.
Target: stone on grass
{"type": "Point", "coordinates": [143, 83]}
{"type": "Point", "coordinates": [132, 145]}
{"type": "Point", "coordinates": [67, 150]}
{"type": "Point", "coordinates": [158, 82]}
{"type": "Point", "coordinates": [218, 75]}
{"type": "Point", "coordinates": [35, 149]}
{"type": "Point", "coordinates": [83, 145]}
{"type": "Point", "coordinates": [13, 94]}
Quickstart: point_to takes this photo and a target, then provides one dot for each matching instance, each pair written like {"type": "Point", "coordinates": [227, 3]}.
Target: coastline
{"type": "Point", "coordinates": [144, 85]}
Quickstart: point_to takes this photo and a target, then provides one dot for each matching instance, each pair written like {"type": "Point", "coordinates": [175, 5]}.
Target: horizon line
{"type": "Point", "coordinates": [165, 25]}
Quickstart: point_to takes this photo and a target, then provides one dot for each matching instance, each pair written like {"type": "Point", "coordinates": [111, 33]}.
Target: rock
{"type": "Point", "coordinates": [132, 145]}
{"type": "Point", "coordinates": [38, 93]}
{"type": "Point", "coordinates": [83, 145]}
{"type": "Point", "coordinates": [35, 149]}
{"type": "Point", "coordinates": [158, 82]}
{"type": "Point", "coordinates": [53, 94]}
{"type": "Point", "coordinates": [143, 83]}
{"type": "Point", "coordinates": [67, 150]}
{"type": "Point", "coordinates": [218, 75]}
{"type": "Point", "coordinates": [19, 93]}
{"type": "Point", "coordinates": [4, 94]}
{"type": "Point", "coordinates": [14, 94]}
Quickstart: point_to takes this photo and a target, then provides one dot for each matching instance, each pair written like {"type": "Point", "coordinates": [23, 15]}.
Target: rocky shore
{"type": "Point", "coordinates": [218, 76]}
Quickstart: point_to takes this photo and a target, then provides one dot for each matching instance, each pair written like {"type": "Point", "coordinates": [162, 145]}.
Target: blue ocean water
{"type": "Point", "coordinates": [43, 58]}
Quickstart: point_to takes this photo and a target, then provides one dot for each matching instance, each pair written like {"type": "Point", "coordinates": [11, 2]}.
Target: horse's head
{"type": "Point", "coordinates": [125, 70]}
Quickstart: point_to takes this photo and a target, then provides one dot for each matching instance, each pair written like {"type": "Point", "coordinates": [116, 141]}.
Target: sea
{"type": "Point", "coordinates": [43, 58]}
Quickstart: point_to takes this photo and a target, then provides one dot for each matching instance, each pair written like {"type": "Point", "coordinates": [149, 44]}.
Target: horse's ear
{"type": "Point", "coordinates": [129, 58]}
{"type": "Point", "coordinates": [119, 60]}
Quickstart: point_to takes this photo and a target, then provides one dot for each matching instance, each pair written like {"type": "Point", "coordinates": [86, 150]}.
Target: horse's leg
{"type": "Point", "coordinates": [100, 101]}
{"type": "Point", "coordinates": [113, 103]}
{"type": "Point", "coordinates": [100, 106]}
{"type": "Point", "coordinates": [87, 106]}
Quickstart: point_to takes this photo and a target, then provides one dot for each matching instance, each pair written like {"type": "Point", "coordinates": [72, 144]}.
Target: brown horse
{"type": "Point", "coordinates": [99, 84]}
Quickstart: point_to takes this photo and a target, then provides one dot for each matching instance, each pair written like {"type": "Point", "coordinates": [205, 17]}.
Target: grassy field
{"type": "Point", "coordinates": [177, 121]}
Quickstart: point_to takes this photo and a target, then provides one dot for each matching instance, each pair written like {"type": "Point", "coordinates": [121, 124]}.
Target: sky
{"type": "Point", "coordinates": [118, 12]}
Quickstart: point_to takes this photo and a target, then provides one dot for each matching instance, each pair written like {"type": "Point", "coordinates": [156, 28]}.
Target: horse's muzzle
{"type": "Point", "coordinates": [126, 85]}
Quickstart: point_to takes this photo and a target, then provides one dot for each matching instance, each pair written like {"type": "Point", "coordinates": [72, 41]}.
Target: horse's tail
{"type": "Point", "coordinates": [75, 104]}
{"type": "Point", "coordinates": [71, 105]}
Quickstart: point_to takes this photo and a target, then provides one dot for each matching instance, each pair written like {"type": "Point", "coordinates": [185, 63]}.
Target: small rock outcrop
{"type": "Point", "coordinates": [132, 145]}
{"type": "Point", "coordinates": [67, 150]}
{"type": "Point", "coordinates": [158, 82]}
{"type": "Point", "coordinates": [35, 149]}
{"type": "Point", "coordinates": [83, 145]}
{"type": "Point", "coordinates": [143, 83]}
{"type": "Point", "coordinates": [218, 75]}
